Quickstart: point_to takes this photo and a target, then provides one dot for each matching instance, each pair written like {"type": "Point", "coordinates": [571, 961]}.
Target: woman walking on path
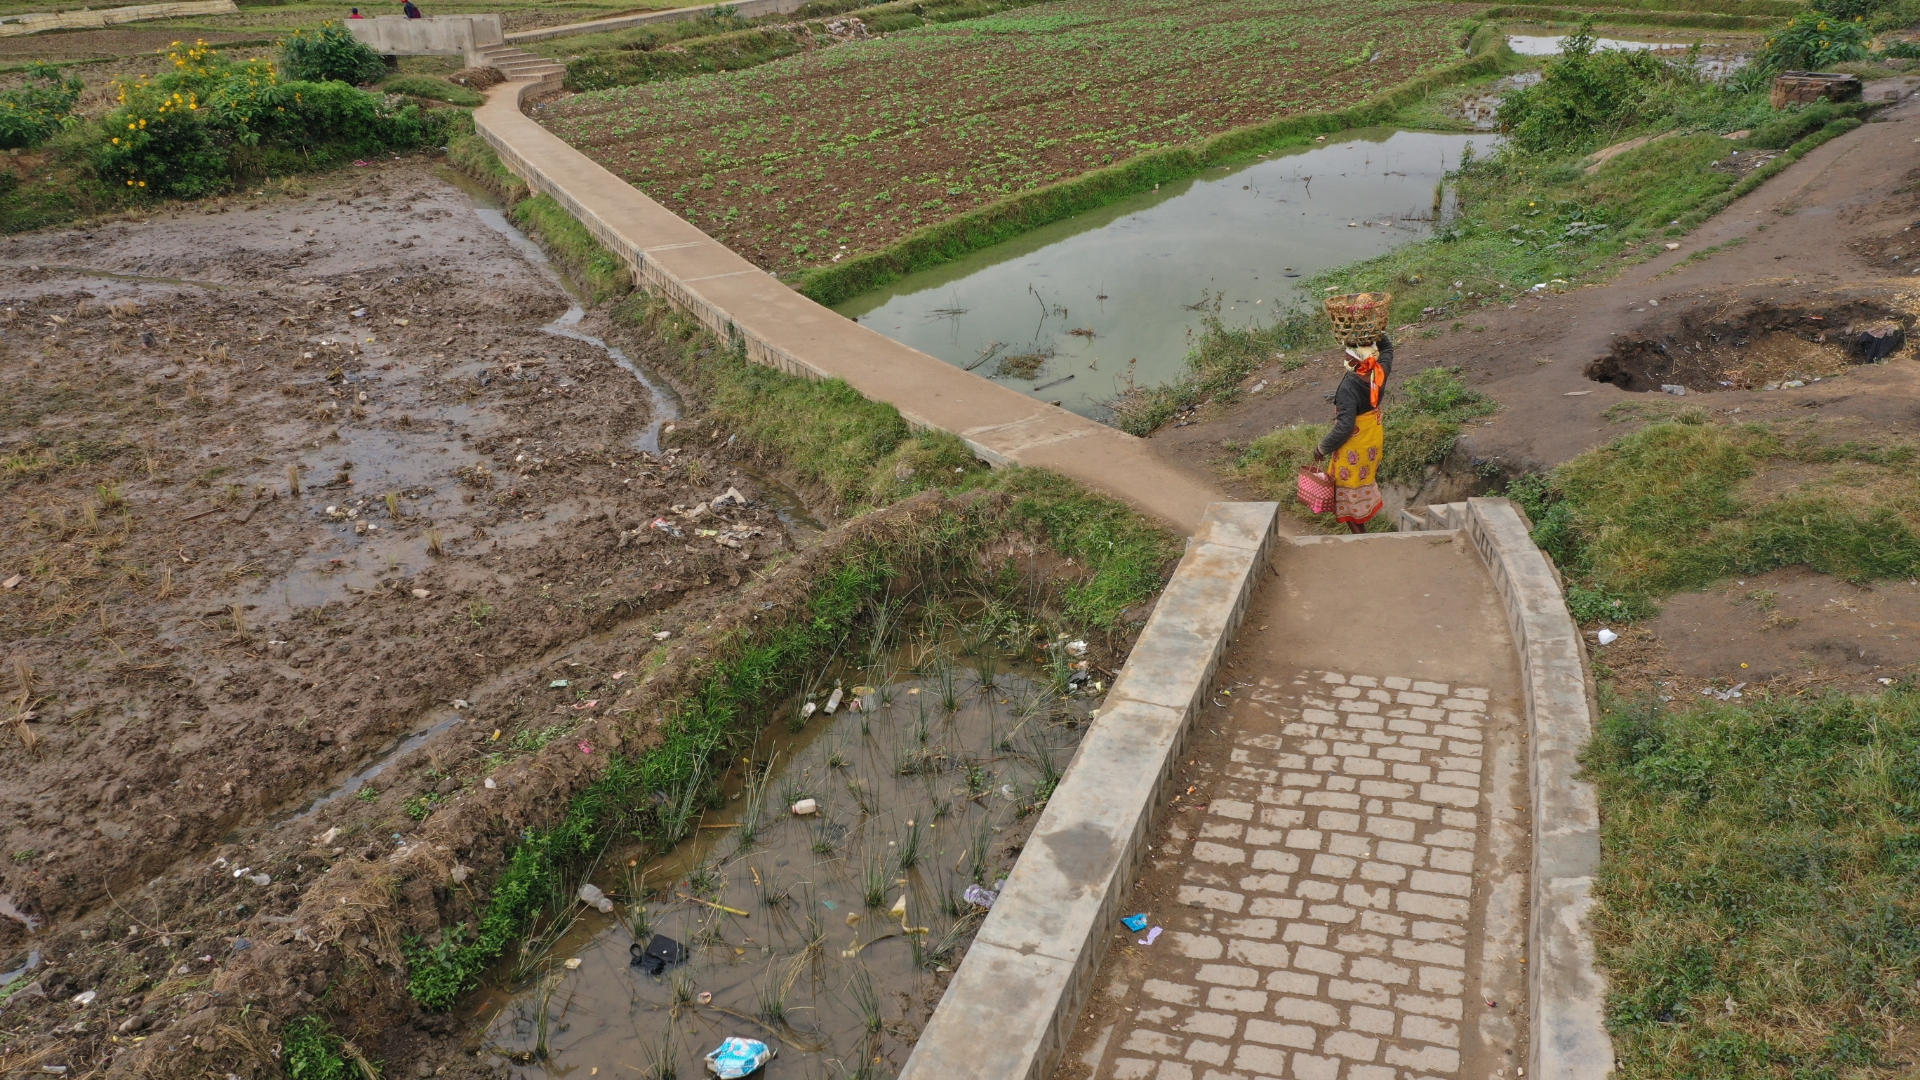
{"type": "Point", "coordinates": [1356, 442]}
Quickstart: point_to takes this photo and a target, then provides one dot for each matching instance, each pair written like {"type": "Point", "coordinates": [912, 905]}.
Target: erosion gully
{"type": "Point", "coordinates": [1076, 311]}
{"type": "Point", "coordinates": [828, 936]}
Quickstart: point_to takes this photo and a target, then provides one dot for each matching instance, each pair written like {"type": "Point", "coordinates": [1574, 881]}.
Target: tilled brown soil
{"type": "Point", "coordinates": [303, 480]}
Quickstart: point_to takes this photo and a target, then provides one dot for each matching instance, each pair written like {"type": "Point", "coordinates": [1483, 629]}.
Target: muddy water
{"type": "Point", "coordinates": [922, 787]}
{"type": "Point", "coordinates": [1117, 294]}
{"type": "Point", "coordinates": [1718, 58]}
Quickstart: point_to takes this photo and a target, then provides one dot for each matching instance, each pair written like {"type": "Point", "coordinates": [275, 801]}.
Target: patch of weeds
{"type": "Point", "coordinates": [367, 793]}
{"type": "Point", "coordinates": [309, 1050]}
{"type": "Point", "coordinates": [1757, 910]}
{"type": "Point", "coordinates": [423, 804]}
{"type": "Point", "coordinates": [1662, 509]}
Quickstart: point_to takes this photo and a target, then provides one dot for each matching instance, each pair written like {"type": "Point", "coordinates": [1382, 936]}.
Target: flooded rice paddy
{"type": "Point", "coordinates": [1076, 311]}
{"type": "Point", "coordinates": [828, 936]}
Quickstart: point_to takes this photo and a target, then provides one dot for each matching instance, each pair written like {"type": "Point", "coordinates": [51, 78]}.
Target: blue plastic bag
{"type": "Point", "coordinates": [737, 1057]}
{"type": "Point", "coordinates": [1135, 923]}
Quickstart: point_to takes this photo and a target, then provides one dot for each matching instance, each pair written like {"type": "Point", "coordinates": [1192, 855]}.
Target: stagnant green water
{"type": "Point", "coordinates": [1119, 293]}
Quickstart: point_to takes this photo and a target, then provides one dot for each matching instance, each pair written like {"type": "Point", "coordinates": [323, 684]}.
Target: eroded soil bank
{"type": "Point", "coordinates": [290, 481]}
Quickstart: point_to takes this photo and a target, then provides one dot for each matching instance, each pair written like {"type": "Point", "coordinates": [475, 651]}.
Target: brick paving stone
{"type": "Point", "coordinates": [1329, 885]}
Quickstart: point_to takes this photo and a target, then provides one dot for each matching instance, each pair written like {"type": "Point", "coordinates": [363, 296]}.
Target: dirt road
{"type": "Point", "coordinates": [290, 481]}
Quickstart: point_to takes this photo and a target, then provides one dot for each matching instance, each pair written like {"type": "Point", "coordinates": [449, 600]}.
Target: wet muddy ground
{"type": "Point", "coordinates": [290, 483]}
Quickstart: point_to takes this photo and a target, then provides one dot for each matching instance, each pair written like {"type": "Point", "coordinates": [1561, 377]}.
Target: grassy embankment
{"type": "Point", "coordinates": [858, 453]}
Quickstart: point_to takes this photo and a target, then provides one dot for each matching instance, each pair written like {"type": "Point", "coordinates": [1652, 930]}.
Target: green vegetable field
{"type": "Point", "coordinates": [829, 154]}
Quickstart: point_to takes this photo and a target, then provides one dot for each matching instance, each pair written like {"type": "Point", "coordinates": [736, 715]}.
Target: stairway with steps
{"type": "Point", "coordinates": [518, 65]}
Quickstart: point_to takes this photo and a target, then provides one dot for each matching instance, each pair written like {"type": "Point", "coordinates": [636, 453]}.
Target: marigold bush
{"type": "Point", "coordinates": [210, 121]}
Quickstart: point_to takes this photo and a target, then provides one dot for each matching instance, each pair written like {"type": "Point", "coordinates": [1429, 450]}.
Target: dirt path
{"type": "Point", "coordinates": [288, 482]}
{"type": "Point", "coordinates": [1819, 239]}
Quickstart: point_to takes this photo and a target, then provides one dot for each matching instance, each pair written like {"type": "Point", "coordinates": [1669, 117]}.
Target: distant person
{"type": "Point", "coordinates": [356, 14]}
{"type": "Point", "coordinates": [408, 9]}
{"type": "Point", "coordinates": [1356, 441]}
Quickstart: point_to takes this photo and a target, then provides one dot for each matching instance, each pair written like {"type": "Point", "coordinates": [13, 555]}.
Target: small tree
{"type": "Point", "coordinates": [1812, 42]}
{"type": "Point", "coordinates": [330, 54]}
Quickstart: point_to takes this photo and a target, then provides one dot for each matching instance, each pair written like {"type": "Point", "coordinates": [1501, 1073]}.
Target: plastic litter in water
{"type": "Point", "coordinates": [659, 954]}
{"type": "Point", "coordinates": [736, 1057]}
{"type": "Point", "coordinates": [979, 896]}
{"type": "Point", "coordinates": [592, 896]}
{"type": "Point", "coordinates": [1135, 923]}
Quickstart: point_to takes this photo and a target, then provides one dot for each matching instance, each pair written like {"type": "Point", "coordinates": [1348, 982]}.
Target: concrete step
{"type": "Point", "coordinates": [519, 65]}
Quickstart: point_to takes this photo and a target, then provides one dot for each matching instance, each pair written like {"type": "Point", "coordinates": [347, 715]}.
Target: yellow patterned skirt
{"type": "Point", "coordinates": [1355, 469]}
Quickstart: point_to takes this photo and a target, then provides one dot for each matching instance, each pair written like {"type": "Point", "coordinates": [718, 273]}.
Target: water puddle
{"type": "Point", "coordinates": [1718, 59]}
{"type": "Point", "coordinates": [829, 936]}
{"type": "Point", "coordinates": [379, 765]}
{"type": "Point", "coordinates": [88, 271]}
{"type": "Point", "coordinates": [1075, 310]}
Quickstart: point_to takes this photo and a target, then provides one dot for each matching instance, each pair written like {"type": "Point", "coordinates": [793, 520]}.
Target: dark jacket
{"type": "Point", "coordinates": [1353, 397]}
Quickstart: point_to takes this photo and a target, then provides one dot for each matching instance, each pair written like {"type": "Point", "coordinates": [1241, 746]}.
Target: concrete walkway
{"type": "Point", "coordinates": [784, 329]}
{"type": "Point", "coordinates": [1342, 877]}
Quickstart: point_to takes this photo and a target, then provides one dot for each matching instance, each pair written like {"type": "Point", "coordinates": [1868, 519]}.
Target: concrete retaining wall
{"type": "Point", "coordinates": [781, 328]}
{"type": "Point", "coordinates": [1012, 1004]}
{"type": "Point", "coordinates": [1567, 996]}
{"type": "Point", "coordinates": [34, 22]}
{"type": "Point", "coordinates": [435, 35]}
{"type": "Point", "coordinates": [746, 9]}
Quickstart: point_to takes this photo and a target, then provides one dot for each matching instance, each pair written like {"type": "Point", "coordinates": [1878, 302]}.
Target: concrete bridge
{"type": "Point", "coordinates": [1339, 772]}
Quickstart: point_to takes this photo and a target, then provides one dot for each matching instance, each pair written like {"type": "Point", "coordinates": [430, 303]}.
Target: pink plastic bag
{"type": "Point", "coordinates": [1316, 489]}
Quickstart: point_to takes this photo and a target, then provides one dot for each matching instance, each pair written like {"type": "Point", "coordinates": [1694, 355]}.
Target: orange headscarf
{"type": "Point", "coordinates": [1365, 362]}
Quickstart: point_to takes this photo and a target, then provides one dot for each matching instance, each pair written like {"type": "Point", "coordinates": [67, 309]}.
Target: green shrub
{"type": "Point", "coordinates": [31, 112]}
{"type": "Point", "coordinates": [330, 54]}
{"type": "Point", "coordinates": [199, 128]}
{"type": "Point", "coordinates": [1812, 42]}
{"type": "Point", "coordinates": [1585, 93]}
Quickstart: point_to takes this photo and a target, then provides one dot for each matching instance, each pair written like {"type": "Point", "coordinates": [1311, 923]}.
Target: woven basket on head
{"type": "Point", "coordinates": [1359, 318]}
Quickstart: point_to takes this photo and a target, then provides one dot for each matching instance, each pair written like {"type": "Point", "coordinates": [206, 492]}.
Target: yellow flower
{"type": "Point", "coordinates": [116, 141]}
{"type": "Point", "coordinates": [143, 183]}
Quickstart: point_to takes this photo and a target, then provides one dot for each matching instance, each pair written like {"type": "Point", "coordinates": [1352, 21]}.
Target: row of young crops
{"type": "Point", "coordinates": [836, 152]}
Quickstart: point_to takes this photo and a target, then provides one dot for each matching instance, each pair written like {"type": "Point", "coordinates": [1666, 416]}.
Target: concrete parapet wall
{"type": "Point", "coordinates": [776, 326]}
{"type": "Point", "coordinates": [1567, 995]}
{"type": "Point", "coordinates": [436, 35]}
{"type": "Point", "coordinates": [746, 9]}
{"type": "Point", "coordinates": [1012, 1003]}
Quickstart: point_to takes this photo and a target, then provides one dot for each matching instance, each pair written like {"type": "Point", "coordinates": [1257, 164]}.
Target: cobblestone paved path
{"type": "Point", "coordinates": [1342, 891]}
